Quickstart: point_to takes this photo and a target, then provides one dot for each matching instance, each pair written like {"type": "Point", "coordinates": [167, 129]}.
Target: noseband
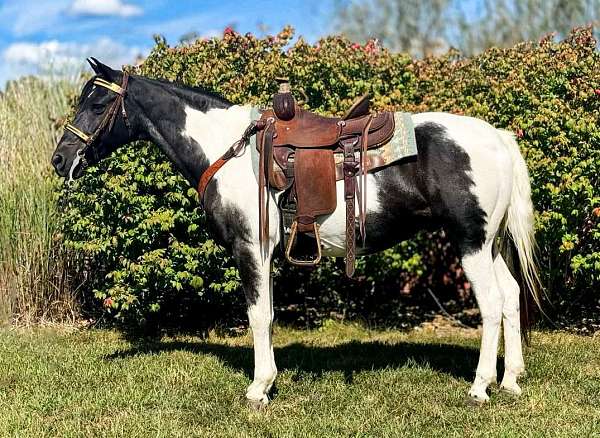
{"type": "Point", "coordinates": [107, 121]}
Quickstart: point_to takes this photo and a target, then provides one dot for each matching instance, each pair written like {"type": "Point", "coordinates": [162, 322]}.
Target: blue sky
{"type": "Point", "coordinates": [36, 34]}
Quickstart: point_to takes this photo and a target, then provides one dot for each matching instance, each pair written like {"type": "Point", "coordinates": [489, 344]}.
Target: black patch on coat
{"type": "Point", "coordinates": [429, 191]}
{"type": "Point", "coordinates": [164, 106]}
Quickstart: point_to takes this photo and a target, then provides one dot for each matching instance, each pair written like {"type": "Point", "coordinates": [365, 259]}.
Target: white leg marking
{"type": "Point", "coordinates": [480, 271]}
{"type": "Point", "coordinates": [215, 131]}
{"type": "Point", "coordinates": [260, 315]}
{"type": "Point", "coordinates": [513, 353]}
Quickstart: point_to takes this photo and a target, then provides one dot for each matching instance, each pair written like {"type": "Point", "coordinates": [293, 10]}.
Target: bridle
{"type": "Point", "coordinates": [107, 122]}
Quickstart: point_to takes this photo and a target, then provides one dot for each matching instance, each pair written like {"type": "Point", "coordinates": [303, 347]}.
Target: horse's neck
{"type": "Point", "coordinates": [192, 133]}
{"type": "Point", "coordinates": [217, 129]}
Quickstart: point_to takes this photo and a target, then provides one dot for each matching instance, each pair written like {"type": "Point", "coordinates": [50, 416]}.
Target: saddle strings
{"type": "Point", "coordinates": [362, 181]}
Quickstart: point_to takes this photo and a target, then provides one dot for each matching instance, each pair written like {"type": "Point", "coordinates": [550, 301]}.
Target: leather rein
{"type": "Point", "coordinates": [107, 121]}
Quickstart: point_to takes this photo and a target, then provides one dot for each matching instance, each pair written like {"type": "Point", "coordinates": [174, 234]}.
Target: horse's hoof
{"type": "Point", "coordinates": [513, 389]}
{"type": "Point", "coordinates": [476, 400]}
{"type": "Point", "coordinates": [258, 405]}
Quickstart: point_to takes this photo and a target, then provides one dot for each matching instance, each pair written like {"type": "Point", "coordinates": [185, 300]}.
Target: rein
{"type": "Point", "coordinates": [107, 121]}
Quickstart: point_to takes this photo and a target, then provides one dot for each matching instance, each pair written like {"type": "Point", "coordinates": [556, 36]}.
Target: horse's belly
{"type": "Point", "coordinates": [332, 228]}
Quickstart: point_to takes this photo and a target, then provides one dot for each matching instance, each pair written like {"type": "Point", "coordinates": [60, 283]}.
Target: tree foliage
{"type": "Point", "coordinates": [429, 27]}
{"type": "Point", "coordinates": [418, 27]}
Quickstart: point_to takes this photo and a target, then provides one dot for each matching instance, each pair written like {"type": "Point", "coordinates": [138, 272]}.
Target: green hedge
{"type": "Point", "coordinates": [141, 237]}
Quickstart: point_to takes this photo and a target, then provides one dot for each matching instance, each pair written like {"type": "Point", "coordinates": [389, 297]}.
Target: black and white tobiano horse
{"type": "Point", "coordinates": [468, 177]}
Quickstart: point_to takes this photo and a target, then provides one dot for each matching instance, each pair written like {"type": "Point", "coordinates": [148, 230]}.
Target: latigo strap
{"type": "Point", "coordinates": [265, 160]}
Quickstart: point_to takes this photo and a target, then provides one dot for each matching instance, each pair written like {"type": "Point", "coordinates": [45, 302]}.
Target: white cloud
{"type": "Point", "coordinates": [62, 58]}
{"type": "Point", "coordinates": [61, 17]}
{"type": "Point", "coordinates": [105, 8]}
{"type": "Point", "coordinates": [26, 17]}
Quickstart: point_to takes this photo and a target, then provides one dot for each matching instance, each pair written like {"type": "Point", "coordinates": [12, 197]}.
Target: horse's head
{"type": "Point", "coordinates": [99, 126]}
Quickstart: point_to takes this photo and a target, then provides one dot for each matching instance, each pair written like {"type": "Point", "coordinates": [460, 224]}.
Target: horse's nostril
{"type": "Point", "coordinates": [57, 159]}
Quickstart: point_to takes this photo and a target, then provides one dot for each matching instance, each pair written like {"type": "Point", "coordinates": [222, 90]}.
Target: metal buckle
{"type": "Point", "coordinates": [292, 240]}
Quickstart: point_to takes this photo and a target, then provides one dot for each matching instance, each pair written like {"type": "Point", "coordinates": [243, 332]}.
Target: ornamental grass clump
{"type": "Point", "coordinates": [33, 284]}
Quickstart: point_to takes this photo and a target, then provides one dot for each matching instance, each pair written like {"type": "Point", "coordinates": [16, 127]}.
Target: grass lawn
{"type": "Point", "coordinates": [342, 380]}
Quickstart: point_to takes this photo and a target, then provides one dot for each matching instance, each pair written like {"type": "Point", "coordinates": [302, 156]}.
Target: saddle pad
{"type": "Point", "coordinates": [401, 145]}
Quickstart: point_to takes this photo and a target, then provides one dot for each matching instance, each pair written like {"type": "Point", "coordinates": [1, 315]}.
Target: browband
{"type": "Point", "coordinates": [120, 90]}
{"type": "Point", "coordinates": [109, 85]}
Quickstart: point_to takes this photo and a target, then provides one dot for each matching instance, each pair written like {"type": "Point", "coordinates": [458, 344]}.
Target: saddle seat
{"type": "Point", "coordinates": [309, 130]}
{"type": "Point", "coordinates": [297, 157]}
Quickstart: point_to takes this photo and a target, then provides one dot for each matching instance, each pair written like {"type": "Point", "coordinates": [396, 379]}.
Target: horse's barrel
{"type": "Point", "coordinates": [284, 106]}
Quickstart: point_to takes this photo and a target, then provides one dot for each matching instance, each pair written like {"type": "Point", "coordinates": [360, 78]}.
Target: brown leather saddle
{"type": "Point", "coordinates": [297, 156]}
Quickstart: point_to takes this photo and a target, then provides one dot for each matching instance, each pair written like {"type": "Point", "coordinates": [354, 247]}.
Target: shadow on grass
{"type": "Point", "coordinates": [350, 357]}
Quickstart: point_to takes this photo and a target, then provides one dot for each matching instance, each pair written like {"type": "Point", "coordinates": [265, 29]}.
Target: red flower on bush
{"type": "Point", "coordinates": [228, 31]}
{"type": "Point", "coordinates": [597, 92]}
{"type": "Point", "coordinates": [108, 302]}
{"type": "Point", "coordinates": [355, 46]}
{"type": "Point", "coordinates": [519, 133]}
{"type": "Point", "coordinates": [372, 46]}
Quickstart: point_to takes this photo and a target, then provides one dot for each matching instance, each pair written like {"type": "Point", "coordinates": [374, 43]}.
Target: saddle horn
{"type": "Point", "coordinates": [284, 105]}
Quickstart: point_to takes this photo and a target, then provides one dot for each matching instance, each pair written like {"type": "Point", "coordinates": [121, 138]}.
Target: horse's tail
{"type": "Point", "coordinates": [521, 249]}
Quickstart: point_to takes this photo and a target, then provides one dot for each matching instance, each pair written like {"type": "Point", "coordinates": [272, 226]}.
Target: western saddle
{"type": "Point", "coordinates": [297, 156]}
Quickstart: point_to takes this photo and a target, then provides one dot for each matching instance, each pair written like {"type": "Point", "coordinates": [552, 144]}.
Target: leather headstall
{"type": "Point", "coordinates": [109, 117]}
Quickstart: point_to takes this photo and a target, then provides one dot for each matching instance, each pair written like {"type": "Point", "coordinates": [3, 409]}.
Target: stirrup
{"type": "Point", "coordinates": [292, 240]}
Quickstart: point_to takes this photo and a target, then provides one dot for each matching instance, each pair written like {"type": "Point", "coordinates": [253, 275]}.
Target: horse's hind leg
{"type": "Point", "coordinates": [513, 353]}
{"type": "Point", "coordinates": [479, 268]}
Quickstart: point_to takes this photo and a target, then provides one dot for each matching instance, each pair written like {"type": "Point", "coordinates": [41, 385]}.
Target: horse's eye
{"type": "Point", "coordinates": [98, 108]}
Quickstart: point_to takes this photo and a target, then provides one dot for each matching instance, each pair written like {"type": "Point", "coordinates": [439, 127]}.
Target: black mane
{"type": "Point", "coordinates": [197, 97]}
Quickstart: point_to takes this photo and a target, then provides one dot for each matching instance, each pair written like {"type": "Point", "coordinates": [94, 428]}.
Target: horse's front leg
{"type": "Point", "coordinates": [258, 287]}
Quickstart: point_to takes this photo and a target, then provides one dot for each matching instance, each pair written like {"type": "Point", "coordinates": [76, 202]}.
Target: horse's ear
{"type": "Point", "coordinates": [101, 69]}
{"type": "Point", "coordinates": [92, 62]}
